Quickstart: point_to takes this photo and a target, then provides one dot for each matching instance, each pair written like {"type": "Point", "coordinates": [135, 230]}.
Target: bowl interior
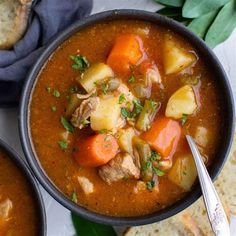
{"type": "Point", "coordinates": [220, 79]}
{"type": "Point", "coordinates": [17, 160]}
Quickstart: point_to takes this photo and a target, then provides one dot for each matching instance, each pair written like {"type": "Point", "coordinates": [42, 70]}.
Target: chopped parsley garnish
{"type": "Point", "coordinates": [53, 108]}
{"type": "Point", "coordinates": [104, 88]}
{"type": "Point", "coordinates": [62, 144]}
{"type": "Point", "coordinates": [153, 104]}
{"type": "Point", "coordinates": [74, 197]}
{"type": "Point", "coordinates": [137, 108]}
{"type": "Point", "coordinates": [56, 93]}
{"type": "Point", "coordinates": [121, 98]}
{"type": "Point", "coordinates": [157, 171]}
{"type": "Point", "coordinates": [131, 79]}
{"type": "Point", "coordinates": [67, 125]}
{"type": "Point", "coordinates": [103, 131]}
{"type": "Point", "coordinates": [146, 165]}
{"type": "Point", "coordinates": [80, 62]}
{"type": "Point", "coordinates": [48, 89]}
{"type": "Point", "coordinates": [150, 185]}
{"type": "Point", "coordinates": [125, 113]}
{"type": "Point", "coordinates": [184, 119]}
{"type": "Point", "coordinates": [155, 156]}
{"type": "Point", "coordinates": [73, 89]}
{"type": "Point", "coordinates": [84, 122]}
{"type": "Point", "coordinates": [184, 173]}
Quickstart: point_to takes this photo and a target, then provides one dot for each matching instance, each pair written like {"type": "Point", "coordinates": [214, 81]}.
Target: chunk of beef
{"type": "Point", "coordinates": [121, 167]}
{"type": "Point", "coordinates": [84, 111]}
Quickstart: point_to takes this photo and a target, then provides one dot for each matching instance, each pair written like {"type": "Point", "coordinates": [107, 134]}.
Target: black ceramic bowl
{"type": "Point", "coordinates": [18, 161]}
{"type": "Point", "coordinates": [220, 78]}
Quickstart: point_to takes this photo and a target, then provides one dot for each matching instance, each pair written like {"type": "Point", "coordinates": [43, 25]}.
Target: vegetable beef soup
{"type": "Point", "coordinates": [110, 111]}
{"type": "Point", "coordinates": [17, 207]}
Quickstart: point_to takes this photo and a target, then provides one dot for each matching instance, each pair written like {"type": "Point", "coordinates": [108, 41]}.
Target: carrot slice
{"type": "Point", "coordinates": [96, 150]}
{"type": "Point", "coordinates": [126, 51]}
{"type": "Point", "coordinates": [163, 136]}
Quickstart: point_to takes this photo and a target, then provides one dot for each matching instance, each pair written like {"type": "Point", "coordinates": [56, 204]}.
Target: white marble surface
{"type": "Point", "coordinates": [58, 218]}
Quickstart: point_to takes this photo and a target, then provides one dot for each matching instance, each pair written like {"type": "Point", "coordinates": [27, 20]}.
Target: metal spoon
{"type": "Point", "coordinates": [215, 210]}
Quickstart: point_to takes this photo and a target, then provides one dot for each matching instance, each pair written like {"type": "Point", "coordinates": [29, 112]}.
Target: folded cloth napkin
{"type": "Point", "coordinates": [48, 18]}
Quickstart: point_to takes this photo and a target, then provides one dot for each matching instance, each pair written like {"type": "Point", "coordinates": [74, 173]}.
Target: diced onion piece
{"type": "Point", "coordinates": [86, 185]}
{"type": "Point", "coordinates": [175, 57]}
{"type": "Point", "coordinates": [183, 173]}
{"type": "Point", "coordinates": [94, 74]}
{"type": "Point", "coordinates": [183, 101]}
{"type": "Point", "coordinates": [107, 114]}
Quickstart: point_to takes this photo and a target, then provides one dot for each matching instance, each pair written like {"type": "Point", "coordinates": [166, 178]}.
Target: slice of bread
{"type": "Point", "coordinates": [13, 21]}
{"type": "Point", "coordinates": [193, 221]}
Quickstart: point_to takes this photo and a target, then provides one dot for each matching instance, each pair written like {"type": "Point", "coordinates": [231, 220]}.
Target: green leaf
{"type": "Point", "coordinates": [201, 24]}
{"type": "Point", "coordinates": [173, 3]}
{"type": "Point", "coordinates": [62, 144]}
{"type": "Point", "coordinates": [173, 12]}
{"type": "Point", "coordinates": [67, 125]}
{"type": "Point", "coordinates": [196, 8]}
{"type": "Point", "coordinates": [85, 227]}
{"type": "Point", "coordinates": [222, 26]}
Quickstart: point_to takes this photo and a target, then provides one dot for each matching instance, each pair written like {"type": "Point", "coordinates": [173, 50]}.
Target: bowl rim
{"type": "Point", "coordinates": [31, 181]}
{"type": "Point", "coordinates": [32, 80]}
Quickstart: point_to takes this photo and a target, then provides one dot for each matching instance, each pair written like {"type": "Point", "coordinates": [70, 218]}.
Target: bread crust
{"type": "Point", "coordinates": [13, 21]}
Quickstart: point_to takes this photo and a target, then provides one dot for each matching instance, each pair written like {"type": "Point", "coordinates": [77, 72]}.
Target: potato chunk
{"type": "Point", "coordinates": [183, 173]}
{"type": "Point", "coordinates": [106, 115]}
{"type": "Point", "coordinates": [183, 101]}
{"type": "Point", "coordinates": [94, 74]}
{"type": "Point", "coordinates": [175, 58]}
{"type": "Point", "coordinates": [125, 140]}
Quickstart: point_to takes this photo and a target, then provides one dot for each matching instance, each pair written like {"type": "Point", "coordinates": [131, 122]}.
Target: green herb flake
{"type": "Point", "coordinates": [56, 93]}
{"type": "Point", "coordinates": [67, 125]}
{"type": "Point", "coordinates": [62, 144]}
{"type": "Point", "coordinates": [53, 108]}
{"type": "Point", "coordinates": [80, 62]}
{"type": "Point", "coordinates": [104, 88]}
{"type": "Point", "coordinates": [121, 98]}
{"type": "Point", "coordinates": [107, 138]}
{"type": "Point", "coordinates": [48, 89]}
{"type": "Point", "coordinates": [84, 122]}
{"type": "Point", "coordinates": [155, 156]}
{"type": "Point", "coordinates": [157, 171]}
{"type": "Point", "coordinates": [125, 113]}
{"type": "Point", "coordinates": [137, 108]}
{"type": "Point", "coordinates": [74, 197]}
{"type": "Point", "coordinates": [73, 89]}
{"type": "Point", "coordinates": [103, 131]}
{"type": "Point", "coordinates": [184, 173]}
{"type": "Point", "coordinates": [184, 119]}
{"type": "Point", "coordinates": [153, 104]}
{"type": "Point", "coordinates": [131, 79]}
{"type": "Point", "coordinates": [150, 185]}
{"type": "Point", "coordinates": [146, 165]}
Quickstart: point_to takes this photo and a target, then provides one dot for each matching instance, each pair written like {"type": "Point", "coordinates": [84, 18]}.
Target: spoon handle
{"type": "Point", "coordinates": [215, 210]}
